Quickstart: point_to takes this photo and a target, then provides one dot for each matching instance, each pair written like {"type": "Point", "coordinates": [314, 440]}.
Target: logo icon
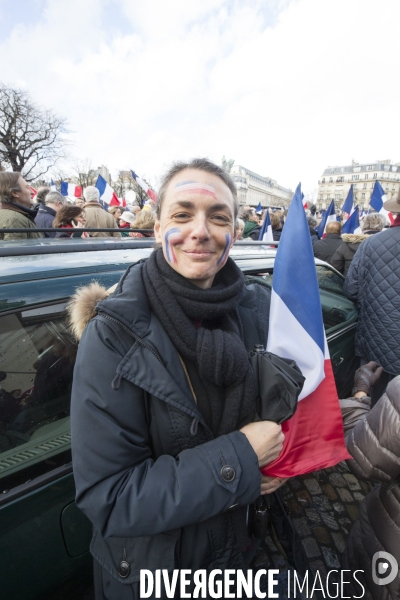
{"type": "Point", "coordinates": [384, 568]}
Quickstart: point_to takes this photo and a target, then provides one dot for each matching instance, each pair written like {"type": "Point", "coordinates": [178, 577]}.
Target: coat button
{"type": "Point", "coordinates": [228, 473]}
{"type": "Point", "coordinates": [124, 569]}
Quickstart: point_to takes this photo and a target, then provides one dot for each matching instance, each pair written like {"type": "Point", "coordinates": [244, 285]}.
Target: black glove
{"type": "Point", "coordinates": [365, 377]}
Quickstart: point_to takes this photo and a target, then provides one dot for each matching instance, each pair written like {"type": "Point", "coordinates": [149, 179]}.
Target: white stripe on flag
{"type": "Point", "coordinates": [293, 341]}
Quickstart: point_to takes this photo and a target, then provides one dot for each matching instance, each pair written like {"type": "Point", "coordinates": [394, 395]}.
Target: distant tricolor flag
{"type": "Point", "coordinates": [71, 190]}
{"type": "Point", "coordinates": [107, 193]}
{"type": "Point", "coordinates": [329, 217]}
{"type": "Point", "coordinates": [352, 224]}
{"type": "Point", "coordinates": [259, 209]}
{"type": "Point", "coordinates": [314, 435]}
{"type": "Point", "coordinates": [144, 186]}
{"type": "Point", "coordinates": [304, 202]}
{"type": "Point", "coordinates": [377, 199]}
{"type": "Point", "coordinates": [53, 186]}
{"type": "Point", "coordinates": [349, 202]}
{"type": "Point", "coordinates": [266, 234]}
{"type": "Point", "coordinates": [33, 191]}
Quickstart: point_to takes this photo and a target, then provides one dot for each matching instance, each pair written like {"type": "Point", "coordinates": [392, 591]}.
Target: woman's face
{"type": "Point", "coordinates": [117, 213]}
{"type": "Point", "coordinates": [81, 218]}
{"type": "Point", "coordinates": [196, 225]}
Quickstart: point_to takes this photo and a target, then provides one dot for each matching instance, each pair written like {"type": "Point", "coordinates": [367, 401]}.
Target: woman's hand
{"type": "Point", "coordinates": [271, 484]}
{"type": "Point", "coordinates": [266, 439]}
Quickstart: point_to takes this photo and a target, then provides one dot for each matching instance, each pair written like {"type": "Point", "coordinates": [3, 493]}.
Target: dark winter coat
{"type": "Point", "coordinates": [343, 256]}
{"type": "Point", "coordinates": [149, 474]}
{"type": "Point", "coordinates": [44, 218]}
{"type": "Point", "coordinates": [373, 439]}
{"type": "Point", "coordinates": [314, 236]}
{"type": "Point", "coordinates": [326, 248]}
{"type": "Point", "coordinates": [276, 233]}
{"type": "Point", "coordinates": [373, 281]}
{"type": "Point", "coordinates": [251, 230]}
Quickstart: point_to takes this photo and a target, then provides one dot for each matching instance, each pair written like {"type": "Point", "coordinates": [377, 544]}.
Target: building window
{"type": "Point", "coordinates": [363, 196]}
{"type": "Point", "coordinates": [366, 176]}
{"type": "Point", "coordinates": [375, 174]}
{"type": "Point", "coordinates": [355, 177]}
{"type": "Point", "coordinates": [370, 167]}
{"type": "Point", "coordinates": [364, 186]}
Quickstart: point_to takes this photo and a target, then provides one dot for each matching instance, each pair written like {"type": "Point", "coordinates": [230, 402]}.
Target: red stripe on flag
{"type": "Point", "coordinates": [314, 436]}
{"type": "Point", "coordinates": [115, 200]}
{"type": "Point", "coordinates": [78, 191]}
{"type": "Point", "coordinates": [152, 195]}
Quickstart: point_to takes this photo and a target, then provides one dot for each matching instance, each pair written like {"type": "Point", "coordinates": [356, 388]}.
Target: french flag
{"type": "Point", "coordinates": [352, 224]}
{"type": "Point", "coordinates": [349, 202]}
{"type": "Point", "coordinates": [33, 191]}
{"type": "Point", "coordinates": [144, 186]}
{"type": "Point", "coordinates": [329, 217]}
{"type": "Point", "coordinates": [107, 193]}
{"type": "Point", "coordinates": [377, 199]}
{"type": "Point", "coordinates": [70, 189]}
{"type": "Point", "coordinates": [314, 435]}
{"type": "Point", "coordinates": [259, 209]}
{"type": "Point", "coordinates": [266, 234]}
{"type": "Point", "coordinates": [53, 186]}
{"type": "Point", "coordinates": [305, 203]}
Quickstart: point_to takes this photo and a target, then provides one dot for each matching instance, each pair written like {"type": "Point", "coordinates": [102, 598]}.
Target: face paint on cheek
{"type": "Point", "coordinates": [172, 237]}
{"type": "Point", "coordinates": [224, 255]}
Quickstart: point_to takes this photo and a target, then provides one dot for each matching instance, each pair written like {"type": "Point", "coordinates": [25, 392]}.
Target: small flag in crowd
{"type": "Point", "coordinates": [70, 189]}
{"type": "Point", "coordinates": [33, 191]}
{"type": "Point", "coordinates": [305, 203]}
{"type": "Point", "coordinates": [314, 435]}
{"type": "Point", "coordinates": [259, 209]}
{"type": "Point", "coordinates": [107, 193]}
{"type": "Point", "coordinates": [377, 199]}
{"type": "Point", "coordinates": [352, 224]}
{"type": "Point", "coordinates": [53, 186]}
{"type": "Point", "coordinates": [266, 234]}
{"type": "Point", "coordinates": [349, 202]}
{"type": "Point", "coordinates": [329, 217]}
{"type": "Point", "coordinates": [144, 186]}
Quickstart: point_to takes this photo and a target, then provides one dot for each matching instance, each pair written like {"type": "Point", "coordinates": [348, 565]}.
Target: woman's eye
{"type": "Point", "coordinates": [181, 216]}
{"type": "Point", "coordinates": [221, 218]}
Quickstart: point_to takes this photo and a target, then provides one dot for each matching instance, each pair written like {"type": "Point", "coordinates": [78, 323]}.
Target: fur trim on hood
{"type": "Point", "coordinates": [82, 306]}
{"type": "Point", "coordinates": [354, 238]}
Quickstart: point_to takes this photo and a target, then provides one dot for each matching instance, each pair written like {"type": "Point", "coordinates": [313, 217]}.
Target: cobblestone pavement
{"type": "Point", "coordinates": [323, 507]}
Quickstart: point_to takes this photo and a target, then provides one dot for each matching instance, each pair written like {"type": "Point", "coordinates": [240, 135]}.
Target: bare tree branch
{"type": "Point", "coordinates": [31, 138]}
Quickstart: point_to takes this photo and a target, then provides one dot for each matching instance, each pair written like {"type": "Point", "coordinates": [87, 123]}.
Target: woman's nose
{"type": "Point", "coordinates": [200, 228]}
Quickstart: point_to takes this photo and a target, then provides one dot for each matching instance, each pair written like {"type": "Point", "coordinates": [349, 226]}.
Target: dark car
{"type": "Point", "coordinates": [44, 538]}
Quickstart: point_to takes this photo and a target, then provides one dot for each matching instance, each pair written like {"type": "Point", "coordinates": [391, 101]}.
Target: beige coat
{"type": "Point", "coordinates": [97, 218]}
{"type": "Point", "coordinates": [373, 439]}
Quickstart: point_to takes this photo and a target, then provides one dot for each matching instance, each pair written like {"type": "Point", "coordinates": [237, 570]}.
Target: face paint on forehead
{"type": "Point", "coordinates": [223, 258]}
{"type": "Point", "coordinates": [173, 236]}
{"type": "Point", "coordinates": [194, 187]}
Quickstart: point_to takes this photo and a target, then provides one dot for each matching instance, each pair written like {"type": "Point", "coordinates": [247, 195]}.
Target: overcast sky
{"type": "Point", "coordinates": [286, 88]}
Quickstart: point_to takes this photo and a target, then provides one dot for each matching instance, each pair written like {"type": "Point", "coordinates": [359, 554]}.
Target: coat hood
{"type": "Point", "coordinates": [354, 238]}
{"type": "Point", "coordinates": [82, 306]}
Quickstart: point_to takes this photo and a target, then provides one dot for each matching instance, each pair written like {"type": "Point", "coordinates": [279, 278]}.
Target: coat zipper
{"type": "Point", "coordinates": [132, 334]}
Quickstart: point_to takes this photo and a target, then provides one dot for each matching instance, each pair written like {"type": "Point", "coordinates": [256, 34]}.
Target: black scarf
{"type": "Point", "coordinates": [215, 347]}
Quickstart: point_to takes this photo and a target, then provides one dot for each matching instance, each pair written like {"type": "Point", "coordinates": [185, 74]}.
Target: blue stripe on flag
{"type": "Point", "coordinates": [348, 204]}
{"type": "Point", "coordinates": [64, 188]}
{"type": "Point", "coordinates": [376, 199]}
{"type": "Point", "coordinates": [352, 222]}
{"type": "Point", "coordinates": [101, 184]}
{"type": "Point", "coordinates": [295, 277]}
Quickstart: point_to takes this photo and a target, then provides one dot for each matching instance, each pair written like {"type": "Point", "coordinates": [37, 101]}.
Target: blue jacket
{"type": "Point", "coordinates": [373, 280]}
{"type": "Point", "coordinates": [45, 218]}
{"type": "Point", "coordinates": [147, 468]}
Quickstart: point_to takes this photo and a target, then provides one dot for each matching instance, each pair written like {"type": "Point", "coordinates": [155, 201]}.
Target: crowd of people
{"type": "Point", "coordinates": [166, 443]}
{"type": "Point", "coordinates": [49, 209]}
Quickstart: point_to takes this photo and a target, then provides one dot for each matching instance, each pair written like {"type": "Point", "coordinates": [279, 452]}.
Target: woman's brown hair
{"type": "Point", "coordinates": [66, 214]}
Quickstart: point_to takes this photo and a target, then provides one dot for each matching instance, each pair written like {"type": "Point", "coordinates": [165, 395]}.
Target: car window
{"type": "Point", "coordinates": [37, 355]}
{"type": "Point", "coordinates": [337, 310]}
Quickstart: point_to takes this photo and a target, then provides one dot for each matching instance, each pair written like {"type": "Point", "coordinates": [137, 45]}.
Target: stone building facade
{"type": "Point", "coordinates": [254, 189]}
{"type": "Point", "coordinates": [336, 181]}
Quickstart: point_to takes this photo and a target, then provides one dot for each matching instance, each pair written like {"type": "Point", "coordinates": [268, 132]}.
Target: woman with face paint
{"type": "Point", "coordinates": [166, 454]}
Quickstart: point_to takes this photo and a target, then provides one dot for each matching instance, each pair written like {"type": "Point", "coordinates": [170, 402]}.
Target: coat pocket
{"type": "Point", "coordinates": [124, 558]}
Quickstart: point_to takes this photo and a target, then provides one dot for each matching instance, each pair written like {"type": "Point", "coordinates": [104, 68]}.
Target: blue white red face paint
{"type": "Point", "coordinates": [194, 187]}
{"type": "Point", "coordinates": [228, 241]}
{"type": "Point", "coordinates": [172, 237]}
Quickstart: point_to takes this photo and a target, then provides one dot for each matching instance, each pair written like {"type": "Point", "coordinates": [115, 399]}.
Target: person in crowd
{"type": "Point", "coordinates": [251, 226]}
{"type": "Point", "coordinates": [145, 219]}
{"type": "Point", "coordinates": [343, 256]}
{"type": "Point", "coordinates": [116, 212]}
{"type": "Point", "coordinates": [47, 212]}
{"type": "Point", "coordinates": [41, 194]}
{"type": "Point", "coordinates": [373, 440]}
{"type": "Point", "coordinates": [80, 202]}
{"type": "Point", "coordinates": [313, 211]}
{"type": "Point", "coordinates": [373, 281]}
{"type": "Point", "coordinates": [239, 228]}
{"type": "Point", "coordinates": [125, 223]}
{"type": "Point", "coordinates": [276, 225]}
{"type": "Point", "coordinates": [72, 219]}
{"type": "Point", "coordinates": [165, 449]}
{"type": "Point", "coordinates": [134, 209]}
{"type": "Point", "coordinates": [312, 223]}
{"type": "Point", "coordinates": [324, 249]}
{"type": "Point", "coordinates": [96, 216]}
{"type": "Point", "coordinates": [16, 208]}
